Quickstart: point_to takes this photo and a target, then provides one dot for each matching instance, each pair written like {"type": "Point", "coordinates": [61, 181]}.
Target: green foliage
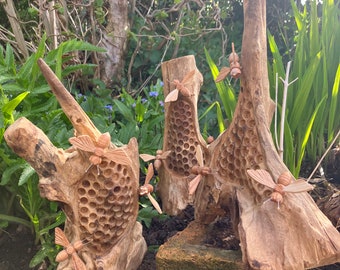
{"type": "Point", "coordinates": [226, 94]}
{"type": "Point", "coordinates": [170, 29]}
{"type": "Point", "coordinates": [312, 114]}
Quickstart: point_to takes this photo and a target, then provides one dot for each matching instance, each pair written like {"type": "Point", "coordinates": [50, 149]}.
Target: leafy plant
{"type": "Point", "coordinates": [226, 94]}
{"type": "Point", "coordinates": [312, 111]}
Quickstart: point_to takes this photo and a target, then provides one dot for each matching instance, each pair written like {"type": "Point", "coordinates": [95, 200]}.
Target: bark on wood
{"type": "Point", "coordinates": [114, 40]}
{"type": "Point", "coordinates": [296, 236]}
{"type": "Point", "coordinates": [15, 24]}
{"type": "Point", "coordinates": [100, 201]}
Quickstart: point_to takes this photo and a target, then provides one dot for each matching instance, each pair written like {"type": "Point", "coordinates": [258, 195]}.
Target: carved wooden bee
{"type": "Point", "coordinates": [200, 170]}
{"type": "Point", "coordinates": [234, 69]}
{"type": "Point", "coordinates": [69, 250]}
{"type": "Point", "coordinates": [160, 156]}
{"type": "Point", "coordinates": [100, 149]}
{"type": "Point", "coordinates": [284, 184]}
{"type": "Point", "coordinates": [180, 87]}
{"type": "Point", "coordinates": [147, 189]}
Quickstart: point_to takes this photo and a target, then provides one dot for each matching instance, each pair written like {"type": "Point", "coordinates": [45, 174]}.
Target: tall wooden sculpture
{"type": "Point", "coordinates": [96, 184]}
{"type": "Point", "coordinates": [289, 232]}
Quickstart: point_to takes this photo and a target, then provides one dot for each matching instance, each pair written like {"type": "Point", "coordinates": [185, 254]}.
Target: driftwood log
{"type": "Point", "coordinates": [295, 236]}
{"type": "Point", "coordinates": [100, 199]}
{"type": "Point", "coordinates": [181, 134]}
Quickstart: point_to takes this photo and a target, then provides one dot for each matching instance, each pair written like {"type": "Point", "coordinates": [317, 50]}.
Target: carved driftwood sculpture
{"type": "Point", "coordinates": [95, 182]}
{"type": "Point", "coordinates": [295, 236]}
{"type": "Point", "coordinates": [181, 132]}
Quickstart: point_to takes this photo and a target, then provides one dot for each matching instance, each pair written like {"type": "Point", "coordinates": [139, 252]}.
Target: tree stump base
{"type": "Point", "coordinates": [186, 250]}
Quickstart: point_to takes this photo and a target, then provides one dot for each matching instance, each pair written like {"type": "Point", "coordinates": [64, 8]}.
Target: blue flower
{"type": "Point", "coordinates": [80, 95]}
{"type": "Point", "coordinates": [161, 83]}
{"type": "Point", "coordinates": [133, 105]}
{"type": "Point", "coordinates": [153, 93]}
{"type": "Point", "coordinates": [144, 100]}
{"type": "Point", "coordinates": [161, 103]}
{"type": "Point", "coordinates": [109, 107]}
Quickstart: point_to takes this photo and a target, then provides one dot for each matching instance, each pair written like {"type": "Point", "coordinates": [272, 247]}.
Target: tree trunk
{"type": "Point", "coordinates": [16, 28]}
{"type": "Point", "coordinates": [114, 40]}
{"type": "Point", "coordinates": [181, 135]}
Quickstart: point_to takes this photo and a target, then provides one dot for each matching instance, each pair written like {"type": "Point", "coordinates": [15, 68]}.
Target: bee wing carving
{"type": "Point", "coordinates": [117, 155]}
{"type": "Point", "coordinates": [199, 156]}
{"type": "Point", "coordinates": [83, 142]}
{"type": "Point", "coordinates": [172, 96]}
{"type": "Point", "coordinates": [193, 184]}
{"type": "Point", "coordinates": [188, 77]}
{"type": "Point", "coordinates": [165, 154]}
{"type": "Point", "coordinates": [146, 157]}
{"type": "Point", "coordinates": [60, 238]}
{"type": "Point", "coordinates": [222, 74]}
{"type": "Point", "coordinates": [263, 177]}
{"type": "Point", "coordinates": [154, 203]}
{"type": "Point", "coordinates": [299, 185]}
{"type": "Point", "coordinates": [78, 264]}
{"type": "Point", "coordinates": [149, 174]}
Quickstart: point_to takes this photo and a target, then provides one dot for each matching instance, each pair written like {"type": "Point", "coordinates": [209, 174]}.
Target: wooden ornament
{"type": "Point", "coordinates": [284, 184]}
{"type": "Point", "coordinates": [180, 87]}
{"type": "Point", "coordinates": [147, 189]}
{"type": "Point", "coordinates": [69, 250]}
{"type": "Point", "coordinates": [100, 149]}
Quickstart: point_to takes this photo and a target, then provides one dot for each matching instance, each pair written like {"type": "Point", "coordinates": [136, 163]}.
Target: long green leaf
{"type": "Point", "coordinates": [9, 59]}
{"type": "Point", "coordinates": [225, 91]}
{"type": "Point", "coordinates": [306, 136]}
{"type": "Point", "coordinates": [27, 172]}
{"type": "Point", "coordinates": [301, 101]}
{"type": "Point", "coordinates": [124, 110]}
{"type": "Point", "coordinates": [10, 106]}
{"type": "Point", "coordinates": [333, 106]}
{"type": "Point", "coordinates": [8, 172]}
{"type": "Point", "coordinates": [219, 114]}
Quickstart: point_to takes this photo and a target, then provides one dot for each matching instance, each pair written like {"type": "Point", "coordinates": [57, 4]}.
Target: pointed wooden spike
{"type": "Point", "coordinates": [80, 121]}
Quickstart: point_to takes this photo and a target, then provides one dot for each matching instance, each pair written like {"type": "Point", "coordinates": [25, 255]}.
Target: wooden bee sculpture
{"type": "Point", "coordinates": [180, 87]}
{"type": "Point", "coordinates": [69, 250]}
{"type": "Point", "coordinates": [199, 170]}
{"type": "Point", "coordinates": [160, 156]}
{"type": "Point", "coordinates": [234, 69]}
{"type": "Point", "coordinates": [99, 149]}
{"type": "Point", "coordinates": [284, 184]}
{"type": "Point", "coordinates": [147, 189]}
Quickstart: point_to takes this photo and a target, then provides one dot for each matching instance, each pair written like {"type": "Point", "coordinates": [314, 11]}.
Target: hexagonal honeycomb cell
{"type": "Point", "coordinates": [181, 138]}
{"type": "Point", "coordinates": [107, 202]}
{"type": "Point", "coordinates": [241, 150]}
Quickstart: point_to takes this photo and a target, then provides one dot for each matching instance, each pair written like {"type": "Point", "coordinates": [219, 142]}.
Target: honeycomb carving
{"type": "Point", "coordinates": [107, 201]}
{"type": "Point", "coordinates": [181, 138]}
{"type": "Point", "coordinates": [241, 150]}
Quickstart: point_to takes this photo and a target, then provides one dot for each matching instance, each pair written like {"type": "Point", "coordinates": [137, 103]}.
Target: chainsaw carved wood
{"type": "Point", "coordinates": [295, 236]}
{"type": "Point", "coordinates": [182, 82]}
{"type": "Point", "coordinates": [95, 182]}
